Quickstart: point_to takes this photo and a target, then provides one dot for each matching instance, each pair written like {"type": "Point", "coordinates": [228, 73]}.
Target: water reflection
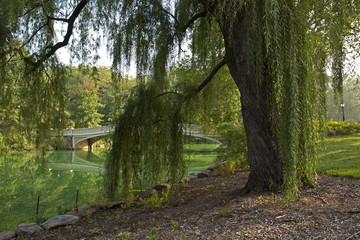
{"type": "Point", "coordinates": [79, 161]}
{"type": "Point", "coordinates": [56, 178]}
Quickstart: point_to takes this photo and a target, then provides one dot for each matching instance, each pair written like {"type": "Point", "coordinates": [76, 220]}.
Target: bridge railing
{"type": "Point", "coordinates": [191, 129]}
{"type": "Point", "coordinates": [82, 131]}
{"type": "Point", "coordinates": [197, 129]}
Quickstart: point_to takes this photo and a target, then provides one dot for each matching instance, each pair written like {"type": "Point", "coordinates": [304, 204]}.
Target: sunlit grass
{"type": "Point", "coordinates": [199, 156]}
{"type": "Point", "coordinates": [341, 156]}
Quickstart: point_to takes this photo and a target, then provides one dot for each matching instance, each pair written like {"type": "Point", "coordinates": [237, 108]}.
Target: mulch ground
{"type": "Point", "coordinates": [211, 208]}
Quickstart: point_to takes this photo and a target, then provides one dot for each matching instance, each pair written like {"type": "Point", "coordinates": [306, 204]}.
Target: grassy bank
{"type": "Point", "coordinates": [341, 156]}
{"type": "Point", "coordinates": [199, 156]}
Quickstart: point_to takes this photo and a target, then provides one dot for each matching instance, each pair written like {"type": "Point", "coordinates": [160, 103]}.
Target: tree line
{"type": "Point", "coordinates": [89, 100]}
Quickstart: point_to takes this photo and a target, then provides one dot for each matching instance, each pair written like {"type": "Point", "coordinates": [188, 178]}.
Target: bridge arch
{"type": "Point", "coordinates": [83, 142]}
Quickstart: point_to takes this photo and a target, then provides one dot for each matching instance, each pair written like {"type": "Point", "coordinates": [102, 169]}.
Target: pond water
{"type": "Point", "coordinates": [56, 179]}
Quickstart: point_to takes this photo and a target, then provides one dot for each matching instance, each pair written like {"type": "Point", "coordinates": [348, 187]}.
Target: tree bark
{"type": "Point", "coordinates": [256, 97]}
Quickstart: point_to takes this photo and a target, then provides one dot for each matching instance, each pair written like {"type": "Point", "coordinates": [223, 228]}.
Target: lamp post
{"type": "Point", "coordinates": [342, 107]}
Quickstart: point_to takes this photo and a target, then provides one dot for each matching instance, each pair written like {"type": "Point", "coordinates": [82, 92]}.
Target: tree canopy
{"type": "Point", "coordinates": [277, 53]}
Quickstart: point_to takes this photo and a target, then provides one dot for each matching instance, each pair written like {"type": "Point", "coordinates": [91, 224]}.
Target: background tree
{"type": "Point", "coordinates": [84, 102]}
{"type": "Point", "coordinates": [93, 97]}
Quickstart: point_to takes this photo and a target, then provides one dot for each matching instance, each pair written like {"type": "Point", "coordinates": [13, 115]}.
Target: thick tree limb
{"type": "Point", "coordinates": [194, 18]}
{"type": "Point", "coordinates": [204, 83]}
{"type": "Point", "coordinates": [70, 21]}
{"type": "Point", "coordinates": [211, 76]}
{"type": "Point", "coordinates": [58, 19]}
{"type": "Point", "coordinates": [69, 31]}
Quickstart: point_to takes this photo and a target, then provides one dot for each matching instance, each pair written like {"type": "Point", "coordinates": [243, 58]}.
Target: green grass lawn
{"type": "Point", "coordinates": [341, 156]}
{"type": "Point", "coordinates": [199, 156]}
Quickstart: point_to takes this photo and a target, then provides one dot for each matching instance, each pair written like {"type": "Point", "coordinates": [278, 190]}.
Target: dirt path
{"type": "Point", "coordinates": [211, 208]}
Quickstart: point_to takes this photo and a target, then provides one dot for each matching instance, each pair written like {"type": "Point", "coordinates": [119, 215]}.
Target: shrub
{"type": "Point", "coordinates": [155, 200]}
{"type": "Point", "coordinates": [333, 128]}
{"type": "Point", "coordinates": [234, 147]}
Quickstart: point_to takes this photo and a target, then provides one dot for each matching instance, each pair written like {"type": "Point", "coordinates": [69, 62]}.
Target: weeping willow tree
{"type": "Point", "coordinates": [277, 52]}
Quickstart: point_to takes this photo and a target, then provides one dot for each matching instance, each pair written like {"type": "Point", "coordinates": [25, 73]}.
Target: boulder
{"type": "Point", "coordinates": [60, 220]}
{"type": "Point", "coordinates": [27, 228]}
{"type": "Point", "coordinates": [116, 203]}
{"type": "Point", "coordinates": [84, 210]}
{"type": "Point", "coordinates": [7, 235]}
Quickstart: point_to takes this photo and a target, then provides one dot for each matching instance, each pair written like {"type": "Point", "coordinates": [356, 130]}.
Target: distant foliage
{"type": "Point", "coordinates": [94, 98]}
{"type": "Point", "coordinates": [234, 146]}
{"type": "Point", "coordinates": [83, 100]}
{"type": "Point", "coordinates": [351, 98]}
{"type": "Point", "coordinates": [333, 128]}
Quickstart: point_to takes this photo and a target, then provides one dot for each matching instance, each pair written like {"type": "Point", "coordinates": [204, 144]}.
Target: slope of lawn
{"type": "Point", "coordinates": [341, 156]}
{"type": "Point", "coordinates": [199, 156]}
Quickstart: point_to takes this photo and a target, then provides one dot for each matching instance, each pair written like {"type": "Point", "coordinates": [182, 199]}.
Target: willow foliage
{"type": "Point", "coordinates": [37, 103]}
{"type": "Point", "coordinates": [148, 142]}
{"type": "Point", "coordinates": [280, 43]}
{"type": "Point", "coordinates": [286, 47]}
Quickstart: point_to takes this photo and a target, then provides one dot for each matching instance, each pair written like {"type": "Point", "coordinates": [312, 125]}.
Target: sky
{"type": "Point", "coordinates": [104, 60]}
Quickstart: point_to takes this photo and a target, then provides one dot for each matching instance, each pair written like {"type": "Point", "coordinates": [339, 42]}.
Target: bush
{"type": "Point", "coordinates": [333, 128]}
{"type": "Point", "coordinates": [234, 147]}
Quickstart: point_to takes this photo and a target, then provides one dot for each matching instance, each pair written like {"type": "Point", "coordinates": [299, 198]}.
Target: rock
{"type": "Point", "coordinates": [162, 187]}
{"type": "Point", "coordinates": [27, 228]}
{"type": "Point", "coordinates": [88, 209]}
{"type": "Point", "coordinates": [7, 235]}
{"type": "Point", "coordinates": [191, 177]}
{"type": "Point", "coordinates": [211, 168]}
{"type": "Point", "coordinates": [116, 203]}
{"type": "Point", "coordinates": [58, 221]}
{"type": "Point", "coordinates": [84, 210]}
{"type": "Point", "coordinates": [147, 194]}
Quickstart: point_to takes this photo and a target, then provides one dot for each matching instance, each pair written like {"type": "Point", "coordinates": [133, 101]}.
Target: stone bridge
{"type": "Point", "coordinates": [80, 138]}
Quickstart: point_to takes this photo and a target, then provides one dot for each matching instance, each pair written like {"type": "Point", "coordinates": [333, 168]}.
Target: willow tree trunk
{"type": "Point", "coordinates": [265, 169]}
